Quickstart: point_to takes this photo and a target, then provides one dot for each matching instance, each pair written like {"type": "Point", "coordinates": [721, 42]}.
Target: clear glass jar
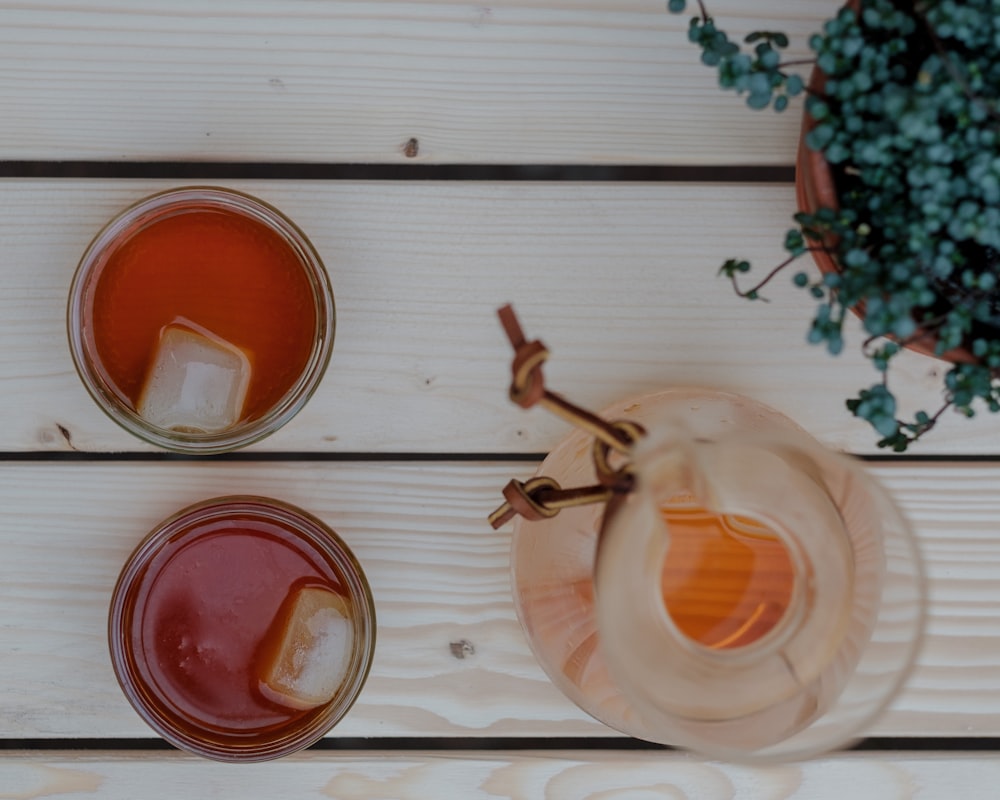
{"type": "Point", "coordinates": [195, 607]}
{"type": "Point", "coordinates": [122, 232]}
{"type": "Point", "coordinates": [600, 593]}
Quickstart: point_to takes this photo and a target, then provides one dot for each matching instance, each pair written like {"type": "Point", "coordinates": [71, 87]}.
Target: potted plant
{"type": "Point", "coordinates": [898, 183]}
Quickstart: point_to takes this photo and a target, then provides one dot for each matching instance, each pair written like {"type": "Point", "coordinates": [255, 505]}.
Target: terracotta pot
{"type": "Point", "coordinates": [815, 188]}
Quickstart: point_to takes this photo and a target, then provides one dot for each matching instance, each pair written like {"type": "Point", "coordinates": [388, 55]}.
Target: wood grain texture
{"type": "Point", "coordinates": [439, 576]}
{"type": "Point", "coordinates": [520, 81]}
{"type": "Point", "coordinates": [619, 280]}
{"type": "Point", "coordinates": [528, 775]}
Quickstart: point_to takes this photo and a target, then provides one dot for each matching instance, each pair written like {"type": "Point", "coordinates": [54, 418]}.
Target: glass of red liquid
{"type": "Point", "coordinates": [242, 629]}
{"type": "Point", "coordinates": [201, 319]}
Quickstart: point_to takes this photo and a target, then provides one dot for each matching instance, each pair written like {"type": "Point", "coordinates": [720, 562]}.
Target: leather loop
{"type": "Point", "coordinates": [621, 478]}
{"type": "Point", "coordinates": [521, 497]}
{"type": "Point", "coordinates": [528, 385]}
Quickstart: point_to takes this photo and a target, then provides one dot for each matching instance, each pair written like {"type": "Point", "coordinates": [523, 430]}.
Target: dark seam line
{"type": "Point", "coordinates": [920, 744]}
{"type": "Point", "coordinates": [886, 458]}
{"type": "Point", "coordinates": [272, 457]}
{"type": "Point", "coordinates": [224, 170]}
{"type": "Point", "coordinates": [57, 456]}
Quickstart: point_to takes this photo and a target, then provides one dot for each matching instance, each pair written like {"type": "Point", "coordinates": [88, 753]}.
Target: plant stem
{"type": "Point", "coordinates": [922, 429]}
{"type": "Point", "coordinates": [767, 278]}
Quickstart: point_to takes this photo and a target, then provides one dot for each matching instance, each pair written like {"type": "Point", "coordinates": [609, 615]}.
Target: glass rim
{"type": "Point", "coordinates": [87, 361]}
{"type": "Point", "coordinates": [317, 535]}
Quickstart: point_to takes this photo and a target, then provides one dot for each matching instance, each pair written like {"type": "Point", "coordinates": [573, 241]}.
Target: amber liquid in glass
{"type": "Point", "coordinates": [201, 620]}
{"type": "Point", "coordinates": [727, 580]}
{"type": "Point", "coordinates": [220, 270]}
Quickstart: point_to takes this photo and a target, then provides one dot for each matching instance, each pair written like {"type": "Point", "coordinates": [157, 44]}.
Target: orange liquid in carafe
{"type": "Point", "coordinates": [727, 580]}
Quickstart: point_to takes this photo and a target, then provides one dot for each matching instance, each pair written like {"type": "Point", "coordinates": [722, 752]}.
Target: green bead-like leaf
{"type": "Point", "coordinates": [768, 58]}
{"type": "Point", "coordinates": [820, 136]}
{"type": "Point", "coordinates": [794, 241]}
{"type": "Point", "coordinates": [733, 266]}
{"type": "Point", "coordinates": [710, 58]}
{"type": "Point", "coordinates": [884, 424]}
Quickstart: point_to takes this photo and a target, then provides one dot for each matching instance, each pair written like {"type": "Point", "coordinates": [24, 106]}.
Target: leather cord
{"type": "Point", "coordinates": [543, 497]}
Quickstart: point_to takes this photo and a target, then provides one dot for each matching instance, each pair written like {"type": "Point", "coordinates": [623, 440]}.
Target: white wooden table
{"type": "Point", "coordinates": [569, 156]}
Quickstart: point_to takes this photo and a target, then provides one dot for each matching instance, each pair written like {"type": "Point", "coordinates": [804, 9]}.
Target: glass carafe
{"type": "Point", "coordinates": [740, 591]}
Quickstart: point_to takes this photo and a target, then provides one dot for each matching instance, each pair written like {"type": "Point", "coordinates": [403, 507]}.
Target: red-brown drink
{"type": "Point", "coordinates": [242, 629]}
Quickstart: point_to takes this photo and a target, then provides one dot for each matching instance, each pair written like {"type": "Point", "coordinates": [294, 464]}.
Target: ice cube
{"type": "Point", "coordinates": [308, 663]}
{"type": "Point", "coordinates": [198, 383]}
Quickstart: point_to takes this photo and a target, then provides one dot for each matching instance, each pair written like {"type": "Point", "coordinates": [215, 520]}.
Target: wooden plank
{"type": "Point", "coordinates": [618, 279]}
{"type": "Point", "coordinates": [439, 575]}
{"type": "Point", "coordinates": [533, 81]}
{"type": "Point", "coordinates": [497, 774]}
